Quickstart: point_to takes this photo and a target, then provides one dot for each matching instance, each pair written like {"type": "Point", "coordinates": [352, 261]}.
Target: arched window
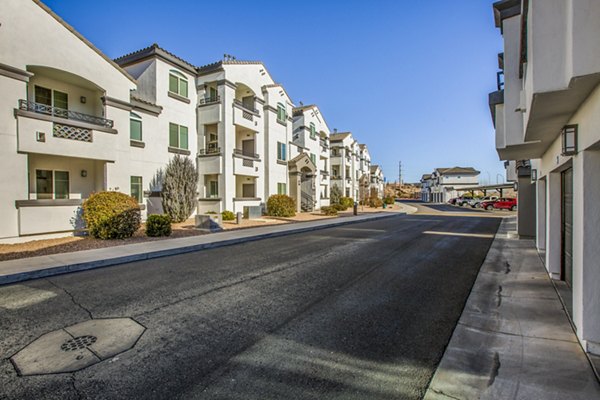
{"type": "Point", "coordinates": [135, 127]}
{"type": "Point", "coordinates": [281, 114]}
{"type": "Point", "coordinates": [178, 83]}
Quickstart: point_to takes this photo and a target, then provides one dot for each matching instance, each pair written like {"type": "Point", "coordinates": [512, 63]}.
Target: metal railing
{"type": "Point", "coordinates": [239, 152]}
{"type": "Point", "coordinates": [239, 103]}
{"type": "Point", "coordinates": [62, 113]}
{"type": "Point", "coordinates": [209, 151]}
{"type": "Point", "coordinates": [209, 100]}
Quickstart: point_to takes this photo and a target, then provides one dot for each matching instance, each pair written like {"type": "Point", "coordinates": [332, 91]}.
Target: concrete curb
{"type": "Point", "coordinates": [65, 267]}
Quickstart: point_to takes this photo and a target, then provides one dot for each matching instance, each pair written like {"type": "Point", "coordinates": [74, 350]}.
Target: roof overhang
{"type": "Point", "coordinates": [505, 9]}
{"type": "Point", "coordinates": [522, 151]}
{"type": "Point", "coordinates": [494, 99]}
{"type": "Point", "coordinates": [550, 111]}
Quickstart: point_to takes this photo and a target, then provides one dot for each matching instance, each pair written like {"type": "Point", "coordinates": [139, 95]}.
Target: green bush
{"type": "Point", "coordinates": [179, 185]}
{"type": "Point", "coordinates": [329, 210]}
{"type": "Point", "coordinates": [281, 205]}
{"type": "Point", "coordinates": [158, 225]}
{"type": "Point", "coordinates": [347, 201]}
{"type": "Point", "coordinates": [228, 215]}
{"type": "Point", "coordinates": [339, 207]}
{"type": "Point", "coordinates": [389, 200]}
{"type": "Point", "coordinates": [111, 215]}
{"type": "Point", "coordinates": [375, 202]}
{"type": "Point", "coordinates": [335, 194]}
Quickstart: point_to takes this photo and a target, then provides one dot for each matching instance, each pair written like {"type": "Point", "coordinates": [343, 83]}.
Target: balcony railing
{"type": "Point", "coordinates": [239, 152]}
{"type": "Point", "coordinates": [209, 100]}
{"type": "Point", "coordinates": [62, 113]}
{"type": "Point", "coordinates": [324, 173]}
{"type": "Point", "coordinates": [242, 105]}
{"type": "Point", "coordinates": [209, 151]}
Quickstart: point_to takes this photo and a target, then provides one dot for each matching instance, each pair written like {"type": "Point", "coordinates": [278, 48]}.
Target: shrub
{"type": "Point", "coordinates": [211, 212]}
{"type": "Point", "coordinates": [329, 210]}
{"type": "Point", "coordinates": [389, 200]}
{"type": "Point", "coordinates": [281, 205]}
{"type": "Point", "coordinates": [179, 185]}
{"type": "Point", "coordinates": [111, 215]}
{"type": "Point", "coordinates": [339, 207]}
{"type": "Point", "coordinates": [335, 194]}
{"type": "Point", "coordinates": [347, 201]}
{"type": "Point", "coordinates": [228, 215]}
{"type": "Point", "coordinates": [375, 202]}
{"type": "Point", "coordinates": [158, 225]}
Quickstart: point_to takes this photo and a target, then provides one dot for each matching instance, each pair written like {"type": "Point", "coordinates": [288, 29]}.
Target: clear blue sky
{"type": "Point", "coordinates": [408, 78]}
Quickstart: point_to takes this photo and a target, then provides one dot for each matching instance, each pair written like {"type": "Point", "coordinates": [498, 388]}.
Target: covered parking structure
{"type": "Point", "coordinates": [499, 187]}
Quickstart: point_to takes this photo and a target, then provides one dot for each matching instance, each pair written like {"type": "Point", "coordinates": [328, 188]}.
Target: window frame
{"type": "Point", "coordinates": [53, 195]}
{"type": "Point", "coordinates": [179, 136]}
{"type": "Point", "coordinates": [281, 188]}
{"type": "Point", "coordinates": [133, 117]}
{"type": "Point", "coordinates": [179, 79]}
{"type": "Point", "coordinates": [281, 151]}
{"type": "Point", "coordinates": [281, 113]}
{"type": "Point", "coordinates": [140, 197]}
{"type": "Point", "coordinates": [313, 131]}
{"type": "Point", "coordinates": [212, 194]}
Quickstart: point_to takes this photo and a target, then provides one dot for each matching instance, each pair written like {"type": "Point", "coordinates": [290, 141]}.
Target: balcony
{"type": "Point", "coordinates": [210, 161]}
{"type": "Point", "coordinates": [245, 163]}
{"type": "Point", "coordinates": [209, 110]}
{"type": "Point", "coordinates": [206, 101]}
{"type": "Point", "coordinates": [53, 131]}
{"type": "Point", "coordinates": [44, 109]}
{"type": "Point", "coordinates": [245, 117]}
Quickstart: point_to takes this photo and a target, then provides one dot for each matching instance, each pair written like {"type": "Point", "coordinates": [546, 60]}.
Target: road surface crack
{"type": "Point", "coordinates": [72, 297]}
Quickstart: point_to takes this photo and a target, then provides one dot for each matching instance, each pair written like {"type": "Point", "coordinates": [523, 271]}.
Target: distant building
{"type": "Point", "coordinates": [445, 183]}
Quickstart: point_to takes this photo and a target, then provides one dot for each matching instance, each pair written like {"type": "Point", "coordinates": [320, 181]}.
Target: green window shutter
{"type": "Point", "coordinates": [183, 137]}
{"type": "Point", "coordinates": [61, 100]}
{"type": "Point", "coordinates": [173, 135]}
{"type": "Point", "coordinates": [173, 84]}
{"type": "Point", "coordinates": [135, 131]}
{"type": "Point", "coordinates": [183, 87]}
{"type": "Point", "coordinates": [279, 151]}
{"type": "Point", "coordinates": [61, 184]}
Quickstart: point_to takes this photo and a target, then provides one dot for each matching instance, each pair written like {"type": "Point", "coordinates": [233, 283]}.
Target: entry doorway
{"type": "Point", "coordinates": [567, 227]}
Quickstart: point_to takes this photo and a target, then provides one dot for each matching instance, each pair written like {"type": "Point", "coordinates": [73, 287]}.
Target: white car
{"type": "Point", "coordinates": [476, 203]}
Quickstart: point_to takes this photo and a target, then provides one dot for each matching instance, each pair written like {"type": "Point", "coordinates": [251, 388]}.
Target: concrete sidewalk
{"type": "Point", "coordinates": [38, 267]}
{"type": "Point", "coordinates": [513, 340]}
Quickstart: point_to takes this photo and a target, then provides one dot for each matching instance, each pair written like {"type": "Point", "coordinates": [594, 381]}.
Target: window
{"type": "Point", "coordinates": [178, 136]}
{"type": "Point", "coordinates": [136, 188]}
{"type": "Point", "coordinates": [281, 114]}
{"type": "Point", "coordinates": [178, 83]}
{"type": "Point", "coordinates": [213, 189]}
{"type": "Point", "coordinates": [51, 97]}
{"type": "Point", "coordinates": [52, 184]}
{"type": "Point", "coordinates": [281, 188]}
{"type": "Point", "coordinates": [212, 143]}
{"type": "Point", "coordinates": [313, 131]}
{"type": "Point", "coordinates": [248, 190]}
{"type": "Point", "coordinates": [212, 94]}
{"type": "Point", "coordinates": [135, 127]}
{"type": "Point", "coordinates": [313, 158]}
{"type": "Point", "coordinates": [281, 151]}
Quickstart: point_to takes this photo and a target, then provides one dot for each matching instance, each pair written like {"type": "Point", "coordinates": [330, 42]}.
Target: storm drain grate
{"type": "Point", "coordinates": [78, 343]}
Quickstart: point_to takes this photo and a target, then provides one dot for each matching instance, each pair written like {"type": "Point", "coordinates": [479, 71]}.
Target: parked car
{"type": "Point", "coordinates": [476, 202]}
{"type": "Point", "coordinates": [488, 205]}
{"type": "Point", "coordinates": [462, 200]}
{"type": "Point", "coordinates": [506, 203]}
{"type": "Point", "coordinates": [452, 201]}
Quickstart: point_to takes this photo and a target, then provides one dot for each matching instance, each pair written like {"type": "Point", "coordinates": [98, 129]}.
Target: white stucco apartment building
{"type": "Point", "coordinates": [343, 150]}
{"type": "Point", "coordinates": [311, 136]}
{"type": "Point", "coordinates": [74, 122]}
{"type": "Point", "coordinates": [547, 120]}
{"type": "Point", "coordinates": [445, 183]}
{"type": "Point", "coordinates": [377, 181]}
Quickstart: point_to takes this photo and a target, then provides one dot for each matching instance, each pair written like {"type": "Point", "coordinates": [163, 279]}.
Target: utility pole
{"type": "Point", "coordinates": [400, 173]}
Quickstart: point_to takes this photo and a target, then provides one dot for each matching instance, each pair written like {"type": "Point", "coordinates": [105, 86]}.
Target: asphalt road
{"type": "Point", "coordinates": [362, 311]}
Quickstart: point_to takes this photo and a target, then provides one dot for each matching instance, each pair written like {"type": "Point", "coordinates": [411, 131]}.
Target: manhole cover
{"type": "Point", "coordinates": [80, 342]}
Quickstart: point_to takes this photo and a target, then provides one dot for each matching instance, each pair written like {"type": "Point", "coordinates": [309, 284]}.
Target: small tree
{"type": "Point", "coordinates": [179, 185]}
{"type": "Point", "coordinates": [335, 194]}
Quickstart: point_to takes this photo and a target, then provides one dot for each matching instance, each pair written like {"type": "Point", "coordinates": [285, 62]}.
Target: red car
{"type": "Point", "coordinates": [506, 203]}
{"type": "Point", "coordinates": [503, 203]}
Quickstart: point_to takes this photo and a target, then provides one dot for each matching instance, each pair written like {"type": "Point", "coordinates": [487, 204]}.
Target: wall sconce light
{"type": "Point", "coordinates": [533, 175]}
{"type": "Point", "coordinates": [83, 99]}
{"type": "Point", "coordinates": [83, 173]}
{"type": "Point", "coordinates": [569, 140]}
